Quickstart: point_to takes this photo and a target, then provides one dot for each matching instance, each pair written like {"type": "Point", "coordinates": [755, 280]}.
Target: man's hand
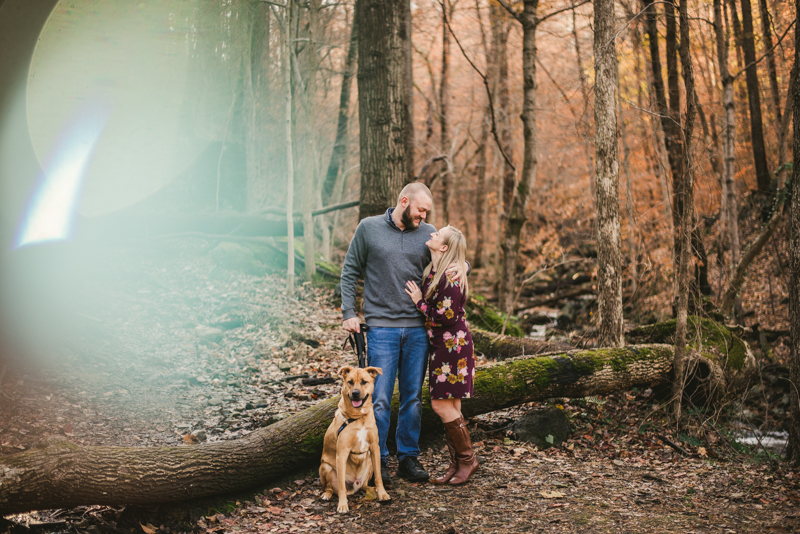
{"type": "Point", "coordinates": [452, 270]}
{"type": "Point", "coordinates": [353, 324]}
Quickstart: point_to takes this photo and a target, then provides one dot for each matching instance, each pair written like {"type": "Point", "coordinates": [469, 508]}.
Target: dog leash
{"type": "Point", "coordinates": [358, 343]}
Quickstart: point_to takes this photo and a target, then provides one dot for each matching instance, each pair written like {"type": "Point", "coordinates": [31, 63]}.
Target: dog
{"type": "Point", "coordinates": [351, 450]}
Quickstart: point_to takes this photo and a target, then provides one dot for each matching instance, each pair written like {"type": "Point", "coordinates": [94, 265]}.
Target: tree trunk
{"type": "Point", "coordinates": [520, 191]}
{"type": "Point", "coordinates": [670, 118]}
{"type": "Point", "coordinates": [64, 475]}
{"type": "Point", "coordinates": [339, 151]}
{"type": "Point", "coordinates": [310, 159]}
{"type": "Point", "coordinates": [480, 191]}
{"type": "Point", "coordinates": [771, 67]}
{"type": "Point", "coordinates": [384, 102]}
{"type": "Point", "coordinates": [444, 111]}
{"type": "Point", "coordinates": [631, 211]}
{"type": "Point", "coordinates": [286, 59]}
{"type": "Point", "coordinates": [499, 27]}
{"type": "Point", "coordinates": [655, 157]}
{"type": "Point", "coordinates": [793, 454]}
{"type": "Point", "coordinates": [783, 132]}
{"type": "Point", "coordinates": [254, 21]}
{"type": "Point", "coordinates": [587, 143]}
{"type": "Point", "coordinates": [763, 177]}
{"type": "Point", "coordinates": [609, 247]}
{"type": "Point", "coordinates": [686, 215]}
{"type": "Point", "coordinates": [728, 138]}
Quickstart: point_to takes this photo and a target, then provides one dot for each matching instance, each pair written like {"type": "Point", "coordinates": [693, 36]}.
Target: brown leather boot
{"type": "Point", "coordinates": [450, 429]}
{"type": "Point", "coordinates": [467, 462]}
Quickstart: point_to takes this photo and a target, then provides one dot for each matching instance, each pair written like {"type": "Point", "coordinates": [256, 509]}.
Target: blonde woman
{"type": "Point", "coordinates": [452, 365]}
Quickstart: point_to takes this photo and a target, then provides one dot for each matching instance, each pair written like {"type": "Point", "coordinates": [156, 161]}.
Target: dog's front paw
{"type": "Point", "coordinates": [383, 496]}
{"type": "Point", "coordinates": [327, 495]}
{"type": "Point", "coordinates": [343, 508]}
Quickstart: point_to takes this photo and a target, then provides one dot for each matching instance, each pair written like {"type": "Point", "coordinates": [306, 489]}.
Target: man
{"type": "Point", "coordinates": [388, 250]}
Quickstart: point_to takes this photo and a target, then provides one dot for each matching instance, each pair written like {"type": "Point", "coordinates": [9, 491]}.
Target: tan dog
{"type": "Point", "coordinates": [351, 450]}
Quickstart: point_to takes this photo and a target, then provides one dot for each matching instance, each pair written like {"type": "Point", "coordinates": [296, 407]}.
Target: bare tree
{"type": "Point", "coordinates": [517, 193]}
{"type": "Point", "coordinates": [384, 102]}
{"type": "Point", "coordinates": [763, 177]}
{"type": "Point", "coordinates": [793, 455]}
{"type": "Point", "coordinates": [609, 255]}
{"type": "Point", "coordinates": [499, 23]}
{"type": "Point", "coordinates": [286, 64]}
{"type": "Point", "coordinates": [669, 113]}
{"type": "Point", "coordinates": [254, 45]}
{"type": "Point", "coordinates": [444, 112]}
{"type": "Point", "coordinates": [772, 69]}
{"type": "Point", "coordinates": [728, 137]}
{"type": "Point", "coordinates": [585, 92]}
{"type": "Point", "coordinates": [340, 143]}
{"type": "Point", "coordinates": [310, 159]}
{"type": "Point", "coordinates": [686, 214]}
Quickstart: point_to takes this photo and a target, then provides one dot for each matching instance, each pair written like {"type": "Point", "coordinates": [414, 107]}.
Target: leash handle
{"type": "Point", "coordinates": [358, 342]}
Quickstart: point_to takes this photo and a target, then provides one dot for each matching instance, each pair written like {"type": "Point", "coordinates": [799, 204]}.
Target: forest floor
{"type": "Point", "coordinates": [165, 347]}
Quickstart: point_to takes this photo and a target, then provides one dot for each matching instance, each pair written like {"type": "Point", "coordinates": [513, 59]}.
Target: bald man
{"type": "Point", "coordinates": [388, 250]}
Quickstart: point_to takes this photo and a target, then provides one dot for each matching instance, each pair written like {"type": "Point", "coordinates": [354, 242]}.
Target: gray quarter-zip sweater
{"type": "Point", "coordinates": [386, 257]}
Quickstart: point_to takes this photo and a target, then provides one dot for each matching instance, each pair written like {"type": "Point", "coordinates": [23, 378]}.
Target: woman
{"type": "Point", "coordinates": [452, 365]}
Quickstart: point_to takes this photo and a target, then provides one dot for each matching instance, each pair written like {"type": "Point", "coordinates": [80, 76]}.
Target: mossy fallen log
{"type": "Point", "coordinates": [720, 364]}
{"type": "Point", "coordinates": [63, 475]}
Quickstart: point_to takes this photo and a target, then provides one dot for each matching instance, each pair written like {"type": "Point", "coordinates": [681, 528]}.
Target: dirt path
{"type": "Point", "coordinates": [172, 349]}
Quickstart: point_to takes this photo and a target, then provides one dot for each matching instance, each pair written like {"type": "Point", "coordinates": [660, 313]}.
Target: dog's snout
{"type": "Point", "coordinates": [356, 394]}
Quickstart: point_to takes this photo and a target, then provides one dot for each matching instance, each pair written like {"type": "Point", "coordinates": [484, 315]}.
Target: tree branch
{"type": "Point", "coordinates": [557, 11]}
{"type": "Point", "coordinates": [768, 52]}
{"type": "Point", "coordinates": [488, 91]}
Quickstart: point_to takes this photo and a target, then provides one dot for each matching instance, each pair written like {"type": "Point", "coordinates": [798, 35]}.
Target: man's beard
{"type": "Point", "coordinates": [407, 220]}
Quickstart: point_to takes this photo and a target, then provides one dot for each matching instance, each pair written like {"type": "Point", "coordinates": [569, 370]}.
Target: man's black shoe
{"type": "Point", "coordinates": [411, 470]}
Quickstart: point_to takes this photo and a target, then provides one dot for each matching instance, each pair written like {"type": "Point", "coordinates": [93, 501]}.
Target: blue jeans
{"type": "Point", "coordinates": [401, 353]}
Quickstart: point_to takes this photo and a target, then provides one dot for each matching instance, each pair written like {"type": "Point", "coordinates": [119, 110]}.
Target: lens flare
{"type": "Point", "coordinates": [54, 202]}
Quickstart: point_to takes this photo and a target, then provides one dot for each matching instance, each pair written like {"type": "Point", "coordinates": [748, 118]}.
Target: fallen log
{"type": "Point", "coordinates": [546, 301]}
{"type": "Point", "coordinates": [505, 347]}
{"type": "Point", "coordinates": [64, 475]}
{"type": "Point", "coordinates": [720, 363]}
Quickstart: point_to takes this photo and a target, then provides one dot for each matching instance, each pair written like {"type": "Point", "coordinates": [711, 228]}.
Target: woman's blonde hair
{"type": "Point", "coordinates": [456, 253]}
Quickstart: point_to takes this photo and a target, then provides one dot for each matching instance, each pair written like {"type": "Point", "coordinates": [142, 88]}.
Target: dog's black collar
{"type": "Point", "coordinates": [348, 421]}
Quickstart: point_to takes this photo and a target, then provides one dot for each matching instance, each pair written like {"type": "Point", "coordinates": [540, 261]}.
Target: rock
{"type": "Point", "coordinates": [545, 427]}
{"type": "Point", "coordinates": [214, 401]}
{"type": "Point", "coordinates": [537, 318]}
{"type": "Point", "coordinates": [284, 366]}
{"type": "Point", "coordinates": [208, 333]}
{"type": "Point", "coordinates": [565, 320]}
{"type": "Point", "coordinates": [200, 435]}
{"type": "Point", "coordinates": [236, 258]}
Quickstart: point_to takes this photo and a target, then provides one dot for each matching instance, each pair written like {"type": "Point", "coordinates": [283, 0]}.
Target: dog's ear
{"type": "Point", "coordinates": [346, 370]}
{"type": "Point", "coordinates": [374, 371]}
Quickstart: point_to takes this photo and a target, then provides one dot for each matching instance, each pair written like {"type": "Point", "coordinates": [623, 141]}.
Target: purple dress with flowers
{"type": "Point", "coordinates": [452, 365]}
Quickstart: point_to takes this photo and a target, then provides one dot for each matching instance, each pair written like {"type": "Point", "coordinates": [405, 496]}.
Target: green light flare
{"type": "Point", "coordinates": [142, 59]}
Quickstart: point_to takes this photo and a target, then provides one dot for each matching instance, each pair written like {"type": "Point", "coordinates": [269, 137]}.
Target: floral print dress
{"type": "Point", "coordinates": [452, 364]}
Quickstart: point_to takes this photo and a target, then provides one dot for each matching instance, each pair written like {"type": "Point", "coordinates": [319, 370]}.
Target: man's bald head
{"type": "Point", "coordinates": [413, 205]}
{"type": "Point", "coordinates": [414, 191]}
